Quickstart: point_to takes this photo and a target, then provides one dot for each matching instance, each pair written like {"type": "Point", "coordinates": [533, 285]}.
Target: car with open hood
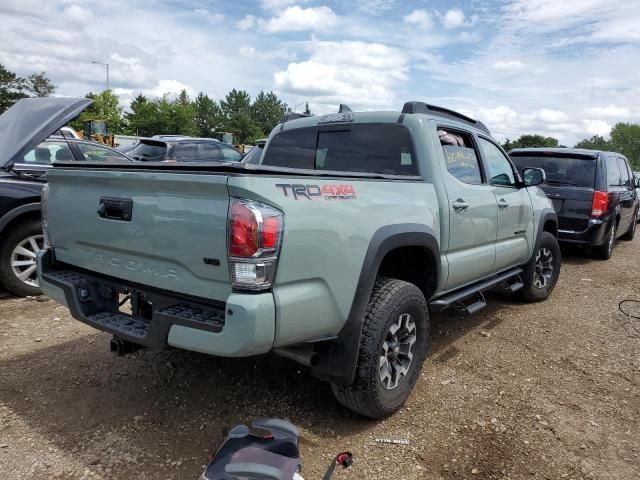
{"type": "Point", "coordinates": [32, 139]}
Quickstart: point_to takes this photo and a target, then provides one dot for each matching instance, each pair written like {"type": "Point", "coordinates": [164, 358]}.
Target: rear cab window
{"type": "Point", "coordinates": [149, 150]}
{"type": "Point", "coordinates": [561, 170]}
{"type": "Point", "coordinates": [361, 148]}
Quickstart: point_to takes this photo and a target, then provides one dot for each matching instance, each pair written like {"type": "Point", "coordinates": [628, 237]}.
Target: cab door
{"type": "Point", "coordinates": [627, 194]}
{"type": "Point", "coordinates": [473, 218]}
{"type": "Point", "coordinates": [515, 235]}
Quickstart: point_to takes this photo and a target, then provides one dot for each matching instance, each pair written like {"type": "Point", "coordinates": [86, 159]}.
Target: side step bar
{"type": "Point", "coordinates": [456, 298]}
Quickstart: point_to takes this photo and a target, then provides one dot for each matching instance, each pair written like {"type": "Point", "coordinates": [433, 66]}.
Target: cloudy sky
{"type": "Point", "coordinates": [564, 68]}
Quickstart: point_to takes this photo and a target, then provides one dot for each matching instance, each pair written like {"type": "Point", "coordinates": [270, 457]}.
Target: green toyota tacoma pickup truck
{"type": "Point", "coordinates": [331, 251]}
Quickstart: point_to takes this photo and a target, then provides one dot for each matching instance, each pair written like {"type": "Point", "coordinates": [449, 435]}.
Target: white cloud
{"type": "Point", "coordinates": [498, 115]}
{"type": "Point", "coordinates": [78, 15]}
{"type": "Point", "coordinates": [364, 75]}
{"type": "Point", "coordinates": [509, 65]}
{"type": "Point", "coordinates": [298, 19]}
{"type": "Point", "coordinates": [247, 23]}
{"type": "Point", "coordinates": [279, 4]}
{"type": "Point", "coordinates": [597, 127]}
{"type": "Point", "coordinates": [374, 7]}
{"type": "Point", "coordinates": [551, 116]}
{"type": "Point", "coordinates": [418, 17]}
{"type": "Point", "coordinates": [453, 18]}
{"type": "Point", "coordinates": [610, 111]}
{"type": "Point", "coordinates": [209, 16]}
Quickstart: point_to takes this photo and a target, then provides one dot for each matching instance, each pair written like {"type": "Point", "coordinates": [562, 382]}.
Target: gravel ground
{"type": "Point", "coordinates": [517, 391]}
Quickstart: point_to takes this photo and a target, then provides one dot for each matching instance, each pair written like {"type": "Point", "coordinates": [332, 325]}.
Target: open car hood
{"type": "Point", "coordinates": [32, 120]}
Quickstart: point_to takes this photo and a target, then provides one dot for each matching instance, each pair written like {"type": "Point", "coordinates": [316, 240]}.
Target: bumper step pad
{"type": "Point", "coordinates": [121, 323]}
{"type": "Point", "coordinates": [192, 314]}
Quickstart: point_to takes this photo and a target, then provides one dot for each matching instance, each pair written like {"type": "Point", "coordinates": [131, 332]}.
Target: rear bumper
{"type": "Point", "coordinates": [244, 325]}
{"type": "Point", "coordinates": [594, 234]}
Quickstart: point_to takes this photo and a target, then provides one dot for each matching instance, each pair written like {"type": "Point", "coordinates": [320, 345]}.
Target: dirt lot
{"type": "Point", "coordinates": [545, 391]}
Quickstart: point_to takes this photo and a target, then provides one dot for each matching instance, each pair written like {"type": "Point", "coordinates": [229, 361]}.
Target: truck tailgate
{"type": "Point", "coordinates": [175, 237]}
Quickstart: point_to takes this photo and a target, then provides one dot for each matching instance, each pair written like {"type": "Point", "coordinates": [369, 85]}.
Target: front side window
{"type": "Point", "coordinates": [367, 148]}
{"type": "Point", "coordinates": [460, 156]}
{"type": "Point", "coordinates": [48, 152]}
{"type": "Point", "coordinates": [499, 166]}
{"type": "Point", "coordinates": [94, 152]}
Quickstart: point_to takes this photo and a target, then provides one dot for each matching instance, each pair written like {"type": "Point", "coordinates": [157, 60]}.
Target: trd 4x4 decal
{"type": "Point", "coordinates": [328, 191]}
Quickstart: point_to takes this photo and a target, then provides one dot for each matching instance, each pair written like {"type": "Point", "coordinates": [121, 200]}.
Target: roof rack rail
{"type": "Point", "coordinates": [421, 107]}
{"type": "Point", "coordinates": [293, 116]}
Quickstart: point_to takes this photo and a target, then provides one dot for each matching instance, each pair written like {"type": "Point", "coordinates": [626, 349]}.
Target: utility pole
{"type": "Point", "coordinates": [106, 67]}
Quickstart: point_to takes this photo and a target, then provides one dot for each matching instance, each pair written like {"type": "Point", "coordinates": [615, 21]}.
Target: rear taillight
{"type": "Point", "coordinates": [255, 235]}
{"type": "Point", "coordinates": [599, 203]}
{"type": "Point", "coordinates": [44, 203]}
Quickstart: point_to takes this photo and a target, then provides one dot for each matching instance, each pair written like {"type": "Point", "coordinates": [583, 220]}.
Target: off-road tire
{"type": "Point", "coordinates": [15, 236]}
{"type": "Point", "coordinates": [629, 234]}
{"type": "Point", "coordinates": [604, 251]}
{"type": "Point", "coordinates": [389, 300]}
{"type": "Point", "coordinates": [531, 292]}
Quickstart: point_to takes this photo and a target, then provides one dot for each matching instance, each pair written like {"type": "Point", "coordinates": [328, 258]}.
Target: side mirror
{"type": "Point", "coordinates": [533, 176]}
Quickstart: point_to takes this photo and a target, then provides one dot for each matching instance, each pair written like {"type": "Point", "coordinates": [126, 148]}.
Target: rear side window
{"type": "Point", "coordinates": [614, 177]}
{"type": "Point", "coordinates": [49, 152]}
{"type": "Point", "coordinates": [578, 172]}
{"type": "Point", "coordinates": [209, 152]}
{"type": "Point", "coordinates": [460, 156]}
{"type": "Point", "coordinates": [185, 152]}
{"type": "Point", "coordinates": [624, 173]}
{"type": "Point", "coordinates": [367, 148]}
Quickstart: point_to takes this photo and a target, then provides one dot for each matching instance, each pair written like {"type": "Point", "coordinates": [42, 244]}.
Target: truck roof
{"type": "Point", "coordinates": [582, 152]}
{"type": "Point", "coordinates": [345, 114]}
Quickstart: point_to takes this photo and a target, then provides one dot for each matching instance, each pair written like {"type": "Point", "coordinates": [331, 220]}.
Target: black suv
{"type": "Point", "coordinates": [21, 181]}
{"type": "Point", "coordinates": [592, 192]}
{"type": "Point", "coordinates": [171, 148]}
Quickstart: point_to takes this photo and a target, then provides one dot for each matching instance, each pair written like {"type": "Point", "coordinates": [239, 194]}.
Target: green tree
{"type": "Point", "coordinates": [532, 141]}
{"type": "Point", "coordinates": [39, 85]}
{"type": "Point", "coordinates": [183, 116]}
{"type": "Point", "coordinates": [208, 115]}
{"type": "Point", "coordinates": [11, 88]}
{"type": "Point", "coordinates": [597, 142]}
{"type": "Point", "coordinates": [235, 101]}
{"type": "Point", "coordinates": [105, 106]}
{"type": "Point", "coordinates": [267, 110]}
{"type": "Point", "coordinates": [243, 127]}
{"type": "Point", "coordinates": [625, 139]}
{"type": "Point", "coordinates": [142, 118]}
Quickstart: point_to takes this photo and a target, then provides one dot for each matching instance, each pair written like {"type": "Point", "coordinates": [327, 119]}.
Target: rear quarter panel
{"type": "Point", "coordinates": [325, 241]}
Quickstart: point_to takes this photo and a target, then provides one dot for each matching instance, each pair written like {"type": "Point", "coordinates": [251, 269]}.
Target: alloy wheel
{"type": "Point", "coordinates": [23, 259]}
{"type": "Point", "coordinates": [544, 268]}
{"type": "Point", "coordinates": [397, 351]}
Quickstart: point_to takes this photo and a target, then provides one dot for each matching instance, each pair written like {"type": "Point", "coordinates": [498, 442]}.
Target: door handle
{"type": "Point", "coordinates": [460, 205]}
{"type": "Point", "coordinates": [502, 203]}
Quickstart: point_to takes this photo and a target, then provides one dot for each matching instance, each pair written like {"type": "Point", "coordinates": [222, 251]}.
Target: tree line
{"type": "Point", "coordinates": [624, 139]}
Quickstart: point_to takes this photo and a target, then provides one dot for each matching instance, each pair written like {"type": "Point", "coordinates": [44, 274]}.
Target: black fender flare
{"type": "Point", "coordinates": [336, 360]}
{"type": "Point", "coordinates": [547, 214]}
{"type": "Point", "coordinates": [16, 212]}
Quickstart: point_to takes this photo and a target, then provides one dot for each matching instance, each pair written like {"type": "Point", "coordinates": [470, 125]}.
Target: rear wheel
{"type": "Point", "coordinates": [541, 273]}
{"type": "Point", "coordinates": [605, 250]}
{"type": "Point", "coordinates": [393, 346]}
{"type": "Point", "coordinates": [18, 258]}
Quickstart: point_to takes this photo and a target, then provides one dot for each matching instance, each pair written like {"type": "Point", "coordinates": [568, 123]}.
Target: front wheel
{"type": "Point", "coordinates": [18, 253]}
{"type": "Point", "coordinates": [541, 273]}
{"type": "Point", "coordinates": [393, 346]}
